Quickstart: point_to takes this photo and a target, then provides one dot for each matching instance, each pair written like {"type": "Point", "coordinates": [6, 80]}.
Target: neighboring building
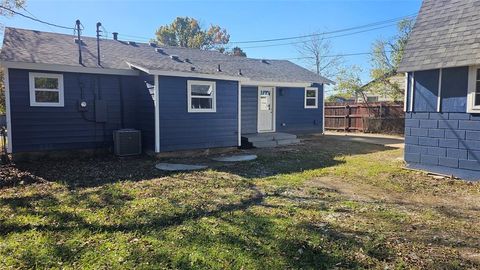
{"type": "Point", "coordinates": [382, 96]}
{"type": "Point", "coordinates": [179, 98]}
{"type": "Point", "coordinates": [442, 61]}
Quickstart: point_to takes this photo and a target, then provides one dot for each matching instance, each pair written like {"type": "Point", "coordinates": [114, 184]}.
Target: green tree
{"type": "Point", "coordinates": [386, 57]}
{"type": "Point", "coordinates": [11, 4]}
{"type": "Point", "coordinates": [348, 83]}
{"type": "Point", "coordinates": [237, 51]}
{"type": "Point", "coordinates": [186, 32]}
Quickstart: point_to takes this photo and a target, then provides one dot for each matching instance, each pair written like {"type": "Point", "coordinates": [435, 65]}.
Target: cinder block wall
{"type": "Point", "coordinates": [443, 139]}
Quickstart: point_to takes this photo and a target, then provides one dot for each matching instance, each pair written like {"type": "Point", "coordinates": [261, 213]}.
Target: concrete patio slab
{"type": "Point", "coordinates": [235, 158]}
{"type": "Point", "coordinates": [171, 167]}
{"type": "Point", "coordinates": [380, 139]}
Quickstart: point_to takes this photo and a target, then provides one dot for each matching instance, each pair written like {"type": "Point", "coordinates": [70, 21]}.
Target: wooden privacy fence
{"type": "Point", "coordinates": [378, 117]}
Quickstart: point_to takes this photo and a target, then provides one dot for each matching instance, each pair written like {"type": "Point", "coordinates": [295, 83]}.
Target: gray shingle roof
{"type": "Point", "coordinates": [446, 34]}
{"type": "Point", "coordinates": [31, 46]}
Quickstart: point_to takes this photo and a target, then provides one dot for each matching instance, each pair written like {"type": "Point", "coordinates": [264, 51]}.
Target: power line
{"type": "Point", "coordinates": [35, 19]}
{"type": "Point", "coordinates": [389, 22]}
{"type": "Point", "coordinates": [327, 33]}
{"type": "Point", "coordinates": [298, 42]}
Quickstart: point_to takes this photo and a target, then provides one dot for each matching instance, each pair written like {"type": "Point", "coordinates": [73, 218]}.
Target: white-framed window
{"type": "Point", "coordinates": [311, 98]}
{"type": "Point", "coordinates": [473, 99]}
{"type": "Point", "coordinates": [46, 90]}
{"type": "Point", "coordinates": [201, 96]}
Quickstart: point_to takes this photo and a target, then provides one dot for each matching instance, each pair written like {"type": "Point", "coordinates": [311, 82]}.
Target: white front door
{"type": "Point", "coordinates": [266, 97]}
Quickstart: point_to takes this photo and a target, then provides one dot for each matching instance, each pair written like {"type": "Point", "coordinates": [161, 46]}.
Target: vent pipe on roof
{"type": "Point", "coordinates": [219, 69]}
{"type": "Point", "coordinates": [98, 42]}
{"type": "Point", "coordinates": [77, 23]}
{"type": "Point", "coordinates": [115, 35]}
{"type": "Point", "coordinates": [240, 72]}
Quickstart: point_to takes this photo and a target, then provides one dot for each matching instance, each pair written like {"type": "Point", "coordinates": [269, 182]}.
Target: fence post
{"type": "Point", "coordinates": [347, 118]}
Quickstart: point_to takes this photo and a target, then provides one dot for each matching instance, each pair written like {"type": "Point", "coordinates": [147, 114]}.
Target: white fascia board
{"type": "Point", "coordinates": [189, 74]}
{"type": "Point", "coordinates": [244, 80]}
{"type": "Point", "coordinates": [67, 68]}
{"type": "Point", "coordinates": [239, 111]}
{"type": "Point", "coordinates": [157, 113]}
{"type": "Point", "coordinates": [276, 84]}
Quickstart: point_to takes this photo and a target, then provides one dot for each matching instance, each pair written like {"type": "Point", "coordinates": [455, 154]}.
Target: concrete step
{"type": "Point", "coordinates": [260, 137]}
{"type": "Point", "coordinates": [265, 144]}
{"type": "Point", "coordinates": [288, 141]}
{"type": "Point", "coordinates": [284, 136]}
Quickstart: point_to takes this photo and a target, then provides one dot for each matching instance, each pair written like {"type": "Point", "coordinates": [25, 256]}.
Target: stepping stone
{"type": "Point", "coordinates": [171, 167]}
{"type": "Point", "coordinates": [235, 158]}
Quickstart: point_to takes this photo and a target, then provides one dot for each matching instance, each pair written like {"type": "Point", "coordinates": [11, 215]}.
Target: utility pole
{"type": "Point", "coordinates": [79, 42]}
{"type": "Point", "coordinates": [98, 42]}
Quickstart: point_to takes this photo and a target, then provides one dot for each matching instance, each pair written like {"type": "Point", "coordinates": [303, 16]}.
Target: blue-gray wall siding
{"type": "Point", "coordinates": [181, 130]}
{"type": "Point", "coordinates": [146, 111]}
{"type": "Point", "coordinates": [291, 115]}
{"type": "Point", "coordinates": [249, 109]}
{"type": "Point", "coordinates": [62, 128]}
{"type": "Point", "coordinates": [449, 138]}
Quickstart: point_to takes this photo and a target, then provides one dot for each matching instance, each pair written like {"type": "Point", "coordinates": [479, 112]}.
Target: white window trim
{"type": "Point", "coordinates": [405, 101]}
{"type": "Point", "coordinates": [316, 98]}
{"type": "Point", "coordinates": [60, 90]}
{"type": "Point", "coordinates": [439, 98]}
{"type": "Point", "coordinates": [189, 96]}
{"type": "Point", "coordinates": [472, 80]}
{"type": "Point", "coordinates": [412, 91]}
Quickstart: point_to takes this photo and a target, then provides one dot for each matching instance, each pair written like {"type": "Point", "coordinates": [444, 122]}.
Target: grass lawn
{"type": "Point", "coordinates": [320, 205]}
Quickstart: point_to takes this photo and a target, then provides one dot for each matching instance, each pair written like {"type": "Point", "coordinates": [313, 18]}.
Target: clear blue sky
{"type": "Point", "coordinates": [244, 20]}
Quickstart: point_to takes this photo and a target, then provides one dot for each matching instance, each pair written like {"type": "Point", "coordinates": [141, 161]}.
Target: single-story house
{"type": "Point", "coordinates": [442, 98]}
{"type": "Point", "coordinates": [63, 93]}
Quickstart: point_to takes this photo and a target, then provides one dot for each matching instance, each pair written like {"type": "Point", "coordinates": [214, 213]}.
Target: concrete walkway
{"type": "Point", "coordinates": [380, 139]}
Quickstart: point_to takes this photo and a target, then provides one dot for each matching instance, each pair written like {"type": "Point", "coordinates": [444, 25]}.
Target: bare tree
{"type": "Point", "coordinates": [316, 52]}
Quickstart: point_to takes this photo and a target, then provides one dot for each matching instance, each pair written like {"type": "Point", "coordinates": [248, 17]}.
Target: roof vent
{"type": "Point", "coordinates": [187, 60]}
{"type": "Point", "coordinates": [219, 69]}
{"type": "Point", "coordinates": [265, 61]}
{"type": "Point", "coordinates": [159, 50]}
{"type": "Point", "coordinates": [153, 44]}
{"type": "Point", "coordinates": [175, 57]}
{"type": "Point", "coordinates": [192, 68]}
{"type": "Point", "coordinates": [115, 35]}
{"type": "Point", "coordinates": [132, 43]}
{"type": "Point", "coordinates": [240, 72]}
{"type": "Point", "coordinates": [76, 41]}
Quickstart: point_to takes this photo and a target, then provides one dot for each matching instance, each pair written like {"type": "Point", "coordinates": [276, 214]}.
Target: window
{"type": "Point", "coordinates": [473, 100]}
{"type": "Point", "coordinates": [201, 96]}
{"type": "Point", "coordinates": [46, 90]}
{"type": "Point", "coordinates": [311, 98]}
{"type": "Point", "coordinates": [477, 88]}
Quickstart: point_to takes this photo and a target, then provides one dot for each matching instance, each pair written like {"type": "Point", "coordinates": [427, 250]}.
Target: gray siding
{"type": "Point", "coordinates": [249, 109]}
{"type": "Point", "coordinates": [180, 130]}
{"type": "Point", "coordinates": [291, 115]}
{"type": "Point", "coordinates": [61, 128]}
